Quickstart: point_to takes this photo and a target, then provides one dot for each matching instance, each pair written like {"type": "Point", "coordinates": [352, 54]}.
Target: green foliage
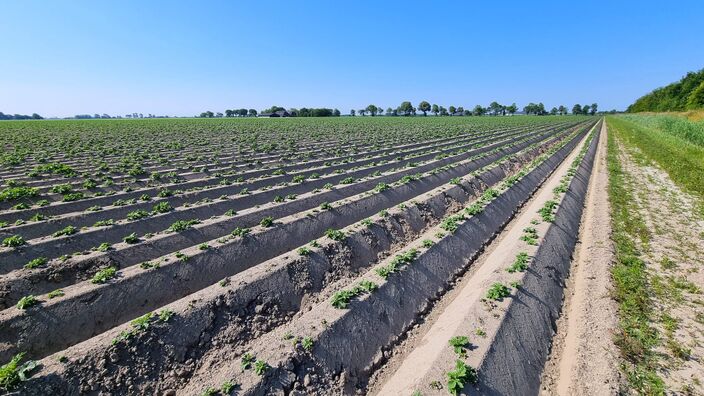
{"type": "Point", "coordinates": [460, 376]}
{"type": "Point", "coordinates": [679, 96]}
{"type": "Point", "coordinates": [268, 221]}
{"type": "Point", "coordinates": [13, 193]}
{"type": "Point", "coordinates": [162, 207]}
{"type": "Point", "coordinates": [104, 275]}
{"type": "Point", "coordinates": [240, 232]}
{"type": "Point", "coordinates": [520, 264]}
{"type": "Point", "coordinates": [307, 343]}
{"type": "Point", "coordinates": [260, 367]}
{"type": "Point", "coordinates": [131, 238]}
{"type": "Point", "coordinates": [335, 235]}
{"type": "Point", "coordinates": [12, 373]}
{"type": "Point", "coordinates": [137, 214]}
{"type": "Point", "coordinates": [68, 230]}
{"type": "Point", "coordinates": [37, 262]}
{"type": "Point", "coordinates": [55, 293]}
{"type": "Point", "coordinates": [182, 225]}
{"type": "Point", "coordinates": [498, 291]}
{"type": "Point", "coordinates": [27, 301]}
{"type": "Point", "coordinates": [13, 241]}
{"type": "Point", "coordinates": [459, 345]}
{"type": "Point", "coordinates": [547, 212]}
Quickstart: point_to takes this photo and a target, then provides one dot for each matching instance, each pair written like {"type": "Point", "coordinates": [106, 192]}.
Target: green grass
{"type": "Point", "coordinates": [681, 159]}
{"type": "Point", "coordinates": [635, 338]}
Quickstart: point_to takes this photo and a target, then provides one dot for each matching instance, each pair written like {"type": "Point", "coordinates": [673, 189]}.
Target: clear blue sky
{"type": "Point", "coordinates": [61, 58]}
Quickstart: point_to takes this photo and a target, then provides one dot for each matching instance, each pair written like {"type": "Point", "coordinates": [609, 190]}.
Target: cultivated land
{"type": "Point", "coordinates": [345, 255]}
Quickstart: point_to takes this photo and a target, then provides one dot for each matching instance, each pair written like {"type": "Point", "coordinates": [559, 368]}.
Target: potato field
{"type": "Point", "coordinates": [390, 256]}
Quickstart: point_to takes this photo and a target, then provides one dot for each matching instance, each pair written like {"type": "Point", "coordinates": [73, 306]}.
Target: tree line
{"type": "Point", "coordinates": [686, 94]}
{"type": "Point", "coordinates": [34, 116]}
{"type": "Point", "coordinates": [406, 108]}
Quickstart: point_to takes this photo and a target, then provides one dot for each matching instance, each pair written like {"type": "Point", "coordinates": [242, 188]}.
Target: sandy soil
{"type": "Point", "coordinates": [584, 360]}
{"type": "Point", "coordinates": [675, 260]}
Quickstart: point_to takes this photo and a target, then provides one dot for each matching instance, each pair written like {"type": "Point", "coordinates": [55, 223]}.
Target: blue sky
{"type": "Point", "coordinates": [61, 58]}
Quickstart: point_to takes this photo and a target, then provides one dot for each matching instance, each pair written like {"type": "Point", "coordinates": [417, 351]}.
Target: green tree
{"type": "Point", "coordinates": [406, 108]}
{"type": "Point", "coordinates": [424, 107]}
{"type": "Point", "coordinates": [435, 109]}
{"type": "Point", "coordinates": [371, 109]}
{"type": "Point", "coordinates": [593, 108]}
{"type": "Point", "coordinates": [562, 110]}
{"type": "Point", "coordinates": [553, 111]}
{"type": "Point", "coordinates": [390, 111]}
{"type": "Point", "coordinates": [577, 109]}
{"type": "Point", "coordinates": [452, 109]}
{"type": "Point", "coordinates": [352, 112]}
{"type": "Point", "coordinates": [252, 113]}
{"type": "Point", "coordinates": [512, 109]}
{"type": "Point", "coordinates": [695, 100]}
{"type": "Point", "coordinates": [585, 109]}
{"type": "Point", "coordinates": [478, 110]}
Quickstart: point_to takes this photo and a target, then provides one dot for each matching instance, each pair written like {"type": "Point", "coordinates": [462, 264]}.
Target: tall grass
{"type": "Point", "coordinates": [691, 131]}
{"type": "Point", "coordinates": [679, 157]}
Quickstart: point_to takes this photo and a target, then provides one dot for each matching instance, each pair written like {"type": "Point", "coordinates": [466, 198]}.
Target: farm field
{"type": "Point", "coordinates": [305, 256]}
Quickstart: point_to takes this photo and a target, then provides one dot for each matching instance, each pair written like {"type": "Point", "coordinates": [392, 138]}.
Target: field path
{"type": "Point", "coordinates": [584, 360]}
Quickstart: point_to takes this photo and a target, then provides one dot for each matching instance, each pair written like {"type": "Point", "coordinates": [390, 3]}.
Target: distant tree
{"type": "Point", "coordinates": [593, 109]}
{"type": "Point", "coordinates": [380, 110]}
{"type": "Point", "coordinates": [435, 109]}
{"type": "Point", "coordinates": [460, 109]}
{"type": "Point", "coordinates": [585, 109]}
{"type": "Point", "coordinates": [362, 112]}
{"type": "Point", "coordinates": [553, 111]}
{"type": "Point", "coordinates": [495, 108]}
{"type": "Point", "coordinates": [390, 111]}
{"type": "Point", "coordinates": [562, 110]}
{"type": "Point", "coordinates": [424, 107]}
{"type": "Point", "coordinates": [406, 108]}
{"type": "Point", "coordinates": [252, 112]}
{"type": "Point", "coordinates": [273, 109]}
{"type": "Point", "coordinates": [512, 109]}
{"type": "Point", "coordinates": [336, 113]}
{"type": "Point", "coordinates": [452, 109]}
{"type": "Point", "coordinates": [229, 113]}
{"type": "Point", "coordinates": [443, 111]}
{"type": "Point", "coordinates": [577, 109]}
{"type": "Point", "coordinates": [352, 112]}
{"type": "Point", "coordinates": [371, 109]}
{"type": "Point", "coordinates": [36, 116]}
{"type": "Point", "coordinates": [478, 110]}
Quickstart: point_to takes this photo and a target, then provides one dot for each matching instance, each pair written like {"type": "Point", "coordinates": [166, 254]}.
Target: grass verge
{"type": "Point", "coordinates": [635, 338]}
{"type": "Point", "coordinates": [682, 160]}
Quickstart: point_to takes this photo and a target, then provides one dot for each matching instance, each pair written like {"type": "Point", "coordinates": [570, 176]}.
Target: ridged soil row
{"type": "Point", "coordinates": [252, 179]}
{"type": "Point", "coordinates": [224, 164]}
{"type": "Point", "coordinates": [87, 308]}
{"type": "Point", "coordinates": [330, 174]}
{"type": "Point", "coordinates": [506, 335]}
{"type": "Point", "coordinates": [59, 273]}
{"type": "Point", "coordinates": [248, 304]}
{"type": "Point", "coordinates": [349, 343]}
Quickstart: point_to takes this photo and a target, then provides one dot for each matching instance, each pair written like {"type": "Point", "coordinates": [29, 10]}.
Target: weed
{"type": "Point", "coordinates": [480, 332]}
